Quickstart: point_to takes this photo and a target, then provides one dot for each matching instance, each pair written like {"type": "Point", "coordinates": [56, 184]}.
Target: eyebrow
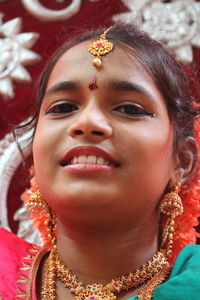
{"type": "Point", "coordinates": [116, 85]}
{"type": "Point", "coordinates": [123, 85]}
{"type": "Point", "coordinates": [64, 86]}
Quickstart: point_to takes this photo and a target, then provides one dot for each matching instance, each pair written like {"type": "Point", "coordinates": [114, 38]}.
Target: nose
{"type": "Point", "coordinates": [91, 124]}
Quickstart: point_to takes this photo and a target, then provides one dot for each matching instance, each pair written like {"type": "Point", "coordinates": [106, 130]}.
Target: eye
{"type": "Point", "coordinates": [62, 108]}
{"type": "Point", "coordinates": [132, 110]}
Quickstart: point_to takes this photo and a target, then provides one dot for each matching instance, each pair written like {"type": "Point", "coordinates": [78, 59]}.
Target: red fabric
{"type": "Point", "coordinates": [12, 251]}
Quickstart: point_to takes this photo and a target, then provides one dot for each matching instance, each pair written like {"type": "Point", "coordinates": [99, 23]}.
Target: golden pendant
{"type": "Point", "coordinates": [95, 292]}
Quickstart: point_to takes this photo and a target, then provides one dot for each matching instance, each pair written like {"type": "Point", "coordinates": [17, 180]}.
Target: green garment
{"type": "Point", "coordinates": [184, 280]}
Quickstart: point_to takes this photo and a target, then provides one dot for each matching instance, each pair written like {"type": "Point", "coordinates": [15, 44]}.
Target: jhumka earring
{"type": "Point", "coordinates": [37, 206]}
{"type": "Point", "coordinates": [171, 206]}
{"type": "Point", "coordinates": [99, 48]}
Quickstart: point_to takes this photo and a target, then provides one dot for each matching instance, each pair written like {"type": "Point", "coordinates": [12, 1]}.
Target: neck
{"type": "Point", "coordinates": [100, 256]}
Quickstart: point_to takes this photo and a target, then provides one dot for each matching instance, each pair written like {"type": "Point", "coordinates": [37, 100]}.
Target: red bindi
{"type": "Point", "coordinates": [93, 83]}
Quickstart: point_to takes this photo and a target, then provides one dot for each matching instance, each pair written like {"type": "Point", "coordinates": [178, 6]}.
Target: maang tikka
{"type": "Point", "coordinates": [100, 47]}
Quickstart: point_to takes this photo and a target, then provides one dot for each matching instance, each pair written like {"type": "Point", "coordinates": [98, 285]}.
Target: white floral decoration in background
{"type": "Point", "coordinates": [174, 23]}
{"type": "Point", "coordinates": [15, 53]}
{"type": "Point", "coordinates": [45, 14]}
{"type": "Point", "coordinates": [40, 11]}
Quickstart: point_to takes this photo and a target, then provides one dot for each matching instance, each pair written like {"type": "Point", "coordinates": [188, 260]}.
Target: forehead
{"type": "Point", "coordinates": [120, 64]}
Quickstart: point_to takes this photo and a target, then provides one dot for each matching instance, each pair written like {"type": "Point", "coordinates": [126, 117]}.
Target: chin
{"type": "Point", "coordinates": [79, 198]}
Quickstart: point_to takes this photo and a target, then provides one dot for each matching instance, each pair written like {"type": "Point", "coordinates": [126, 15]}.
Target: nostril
{"type": "Point", "coordinates": [79, 132]}
{"type": "Point", "coordinates": [97, 132]}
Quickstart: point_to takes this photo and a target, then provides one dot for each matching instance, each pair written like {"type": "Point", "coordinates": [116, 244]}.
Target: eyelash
{"type": "Point", "coordinates": [62, 108]}
{"type": "Point", "coordinates": [133, 110]}
{"type": "Point", "coordinates": [127, 109]}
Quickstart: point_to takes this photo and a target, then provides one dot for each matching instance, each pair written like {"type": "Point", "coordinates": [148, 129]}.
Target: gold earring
{"type": "Point", "coordinates": [171, 206]}
{"type": "Point", "coordinates": [37, 206]}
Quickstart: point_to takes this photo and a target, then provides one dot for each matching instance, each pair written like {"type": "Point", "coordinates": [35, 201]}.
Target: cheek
{"type": "Point", "coordinates": [46, 138]}
{"type": "Point", "coordinates": [147, 164]}
{"type": "Point", "coordinates": [46, 155]}
{"type": "Point", "coordinates": [45, 148]}
{"type": "Point", "coordinates": [157, 148]}
{"type": "Point", "coordinates": [150, 147]}
{"type": "Point", "coordinates": [40, 143]}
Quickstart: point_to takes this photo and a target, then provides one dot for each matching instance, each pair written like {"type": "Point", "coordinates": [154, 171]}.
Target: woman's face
{"type": "Point", "coordinates": [105, 152]}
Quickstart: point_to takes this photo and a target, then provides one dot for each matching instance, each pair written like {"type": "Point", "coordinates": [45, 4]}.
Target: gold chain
{"type": "Point", "coordinates": [55, 268]}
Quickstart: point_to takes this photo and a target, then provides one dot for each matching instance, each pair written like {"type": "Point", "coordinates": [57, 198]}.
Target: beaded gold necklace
{"type": "Point", "coordinates": [155, 270]}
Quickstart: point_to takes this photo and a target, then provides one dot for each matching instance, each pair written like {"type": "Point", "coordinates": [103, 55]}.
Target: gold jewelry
{"type": "Point", "coordinates": [171, 206]}
{"type": "Point", "coordinates": [48, 290]}
{"type": "Point", "coordinates": [155, 271]}
{"type": "Point", "coordinates": [56, 268]}
{"type": "Point", "coordinates": [36, 205]}
{"type": "Point", "coordinates": [147, 291]}
{"type": "Point", "coordinates": [99, 48]}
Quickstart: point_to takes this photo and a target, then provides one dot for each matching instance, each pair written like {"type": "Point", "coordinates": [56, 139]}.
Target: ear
{"type": "Point", "coordinates": [185, 160]}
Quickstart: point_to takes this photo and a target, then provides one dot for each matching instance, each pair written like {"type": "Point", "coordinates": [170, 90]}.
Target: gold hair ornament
{"type": "Point", "coordinates": [99, 48]}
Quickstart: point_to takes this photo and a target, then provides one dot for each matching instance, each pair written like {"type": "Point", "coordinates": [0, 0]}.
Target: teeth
{"type": "Point", "coordinates": [91, 159]}
{"type": "Point", "coordinates": [82, 159]}
{"type": "Point", "coordinates": [74, 160]}
{"type": "Point", "coordinates": [100, 160]}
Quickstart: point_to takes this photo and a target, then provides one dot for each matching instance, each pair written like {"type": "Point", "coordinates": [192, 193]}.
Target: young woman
{"type": "Point", "coordinates": [113, 146]}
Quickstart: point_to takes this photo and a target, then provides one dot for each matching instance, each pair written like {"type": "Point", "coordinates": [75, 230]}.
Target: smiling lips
{"type": "Point", "coordinates": [89, 157]}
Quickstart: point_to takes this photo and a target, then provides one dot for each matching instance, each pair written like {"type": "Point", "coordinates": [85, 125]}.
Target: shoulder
{"type": "Point", "coordinates": [12, 251]}
{"type": "Point", "coordinates": [11, 244]}
{"type": "Point", "coordinates": [184, 280]}
{"type": "Point", "coordinates": [188, 259]}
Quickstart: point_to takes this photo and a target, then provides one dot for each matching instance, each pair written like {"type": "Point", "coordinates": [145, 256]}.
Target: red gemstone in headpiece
{"type": "Point", "coordinates": [100, 44]}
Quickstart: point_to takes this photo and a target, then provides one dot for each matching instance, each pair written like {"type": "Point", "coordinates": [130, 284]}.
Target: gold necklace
{"type": "Point", "coordinates": [155, 270]}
